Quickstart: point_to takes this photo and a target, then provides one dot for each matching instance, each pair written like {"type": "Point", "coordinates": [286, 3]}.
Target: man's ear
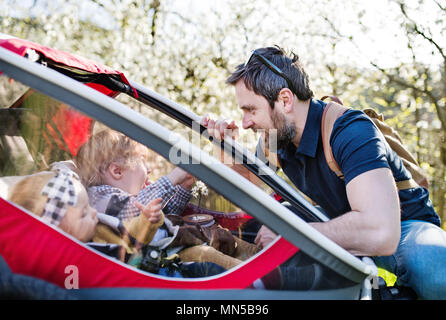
{"type": "Point", "coordinates": [286, 97]}
{"type": "Point", "coordinates": [115, 170]}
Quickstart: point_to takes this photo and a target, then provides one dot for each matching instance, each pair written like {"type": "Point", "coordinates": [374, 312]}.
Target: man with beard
{"type": "Point", "coordinates": [369, 215]}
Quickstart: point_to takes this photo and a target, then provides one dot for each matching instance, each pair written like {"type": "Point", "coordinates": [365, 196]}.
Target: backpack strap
{"type": "Point", "coordinates": [333, 98]}
{"type": "Point", "coordinates": [331, 113]}
{"type": "Point", "coordinates": [406, 184]}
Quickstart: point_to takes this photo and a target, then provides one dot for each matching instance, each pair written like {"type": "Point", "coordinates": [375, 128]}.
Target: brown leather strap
{"type": "Point", "coordinates": [333, 98]}
{"type": "Point", "coordinates": [406, 184]}
{"type": "Point", "coordinates": [331, 113]}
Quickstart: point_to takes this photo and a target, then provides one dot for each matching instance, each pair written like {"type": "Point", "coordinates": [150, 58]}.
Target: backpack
{"type": "Point", "coordinates": [335, 109]}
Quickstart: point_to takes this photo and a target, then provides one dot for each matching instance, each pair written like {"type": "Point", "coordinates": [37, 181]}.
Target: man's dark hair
{"type": "Point", "coordinates": [263, 81]}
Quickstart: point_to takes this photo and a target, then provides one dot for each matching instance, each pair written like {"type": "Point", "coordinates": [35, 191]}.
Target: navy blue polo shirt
{"type": "Point", "coordinates": [358, 146]}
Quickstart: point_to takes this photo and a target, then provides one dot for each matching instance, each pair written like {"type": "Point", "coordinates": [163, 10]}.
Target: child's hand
{"type": "Point", "coordinates": [181, 177]}
{"type": "Point", "coordinates": [152, 211]}
{"type": "Point", "coordinates": [188, 182]}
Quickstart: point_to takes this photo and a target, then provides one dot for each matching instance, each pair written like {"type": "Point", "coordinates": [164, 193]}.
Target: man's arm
{"type": "Point", "coordinates": [373, 227]}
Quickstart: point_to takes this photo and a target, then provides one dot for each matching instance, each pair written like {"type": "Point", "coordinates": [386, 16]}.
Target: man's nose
{"type": "Point", "coordinates": [247, 123]}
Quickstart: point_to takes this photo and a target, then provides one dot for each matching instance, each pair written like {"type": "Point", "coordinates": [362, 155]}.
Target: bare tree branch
{"type": "Point", "coordinates": [440, 6]}
{"type": "Point", "coordinates": [417, 30]}
{"type": "Point", "coordinates": [99, 3]}
{"type": "Point", "coordinates": [155, 6]}
{"type": "Point", "coordinates": [432, 98]}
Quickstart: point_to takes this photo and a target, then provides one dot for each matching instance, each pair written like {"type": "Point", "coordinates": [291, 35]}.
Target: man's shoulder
{"type": "Point", "coordinates": [352, 116]}
{"type": "Point", "coordinates": [354, 124]}
{"type": "Point", "coordinates": [358, 145]}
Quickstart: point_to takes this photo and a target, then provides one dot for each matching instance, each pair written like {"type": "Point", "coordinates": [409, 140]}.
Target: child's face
{"type": "Point", "coordinates": [136, 176]}
{"type": "Point", "coordinates": [80, 220]}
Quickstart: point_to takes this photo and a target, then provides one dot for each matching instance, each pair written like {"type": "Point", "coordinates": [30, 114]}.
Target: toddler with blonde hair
{"type": "Point", "coordinates": [60, 199]}
{"type": "Point", "coordinates": [115, 170]}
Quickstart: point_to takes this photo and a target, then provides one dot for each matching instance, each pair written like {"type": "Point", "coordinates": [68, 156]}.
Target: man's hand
{"type": "Point", "coordinates": [221, 128]}
{"type": "Point", "coordinates": [264, 237]}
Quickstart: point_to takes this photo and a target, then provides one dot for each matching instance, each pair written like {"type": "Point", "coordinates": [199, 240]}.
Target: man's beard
{"type": "Point", "coordinates": [284, 133]}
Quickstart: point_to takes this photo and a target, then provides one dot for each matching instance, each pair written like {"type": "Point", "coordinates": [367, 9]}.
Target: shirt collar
{"type": "Point", "coordinates": [310, 136]}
